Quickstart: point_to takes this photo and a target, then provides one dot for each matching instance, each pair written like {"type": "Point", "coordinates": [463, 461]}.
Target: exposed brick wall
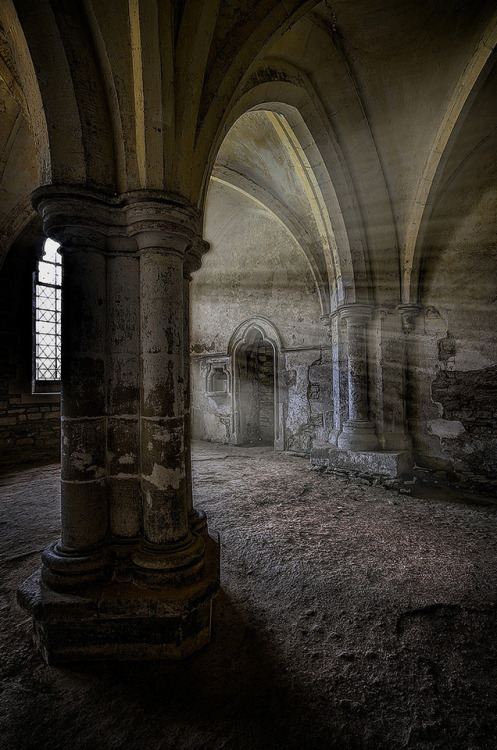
{"type": "Point", "coordinates": [29, 423]}
{"type": "Point", "coordinates": [471, 399]}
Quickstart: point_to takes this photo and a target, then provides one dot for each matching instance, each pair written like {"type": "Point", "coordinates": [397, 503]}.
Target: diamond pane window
{"type": "Point", "coordinates": [48, 314]}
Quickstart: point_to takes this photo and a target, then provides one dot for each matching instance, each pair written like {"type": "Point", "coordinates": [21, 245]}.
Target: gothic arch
{"type": "Point", "coordinates": [456, 108]}
{"type": "Point", "coordinates": [305, 136]}
{"type": "Point", "coordinates": [268, 202]}
{"type": "Point", "coordinates": [285, 91]}
{"type": "Point", "coordinates": [68, 116]}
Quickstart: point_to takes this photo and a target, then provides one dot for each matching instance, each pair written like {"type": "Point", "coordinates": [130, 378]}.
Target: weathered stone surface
{"type": "Point", "coordinates": [374, 463]}
{"type": "Point", "coordinates": [126, 506]}
{"type": "Point", "coordinates": [122, 621]}
{"type": "Point", "coordinates": [466, 429]}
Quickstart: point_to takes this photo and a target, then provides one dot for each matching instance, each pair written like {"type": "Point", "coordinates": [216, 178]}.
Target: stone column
{"type": "Point", "coordinates": [123, 397]}
{"type": "Point", "coordinates": [408, 315]}
{"type": "Point", "coordinates": [358, 432]}
{"type": "Point", "coordinates": [389, 380]}
{"type": "Point", "coordinates": [135, 572]}
{"type": "Point", "coordinates": [81, 557]}
{"type": "Point", "coordinates": [336, 363]}
{"type": "Point", "coordinates": [170, 550]}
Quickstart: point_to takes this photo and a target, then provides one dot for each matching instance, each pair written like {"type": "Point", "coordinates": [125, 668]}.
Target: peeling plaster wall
{"type": "Point", "coordinates": [256, 269]}
{"type": "Point", "coordinates": [307, 414]}
{"type": "Point", "coordinates": [453, 371]}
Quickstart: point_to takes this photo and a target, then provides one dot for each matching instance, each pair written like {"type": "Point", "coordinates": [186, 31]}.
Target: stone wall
{"type": "Point", "coordinates": [274, 288]}
{"type": "Point", "coordinates": [29, 423]}
{"type": "Point", "coordinates": [469, 415]}
{"type": "Point", "coordinates": [453, 356]}
{"type": "Point", "coordinates": [304, 406]}
{"type": "Point", "coordinates": [453, 383]}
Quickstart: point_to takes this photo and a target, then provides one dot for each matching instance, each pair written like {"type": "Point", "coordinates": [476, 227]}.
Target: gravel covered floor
{"type": "Point", "coordinates": [351, 616]}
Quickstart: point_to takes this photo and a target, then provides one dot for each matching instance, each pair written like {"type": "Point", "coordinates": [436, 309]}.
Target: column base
{"type": "Point", "coordinates": [63, 571]}
{"type": "Point", "coordinates": [122, 621]}
{"type": "Point", "coordinates": [358, 436]}
{"type": "Point", "coordinates": [159, 567]}
{"type": "Point", "coordinates": [197, 522]}
{"type": "Point", "coordinates": [391, 464]}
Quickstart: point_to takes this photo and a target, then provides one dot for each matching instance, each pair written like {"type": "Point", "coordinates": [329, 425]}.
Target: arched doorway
{"type": "Point", "coordinates": [254, 368]}
{"type": "Point", "coordinates": [256, 402]}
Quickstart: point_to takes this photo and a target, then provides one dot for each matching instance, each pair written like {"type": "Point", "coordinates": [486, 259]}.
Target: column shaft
{"type": "Point", "coordinates": [358, 376]}
{"type": "Point", "coordinates": [197, 520]}
{"type": "Point", "coordinates": [163, 420]}
{"type": "Point", "coordinates": [84, 503]}
{"type": "Point", "coordinates": [123, 401]}
{"type": "Point", "coordinates": [78, 557]}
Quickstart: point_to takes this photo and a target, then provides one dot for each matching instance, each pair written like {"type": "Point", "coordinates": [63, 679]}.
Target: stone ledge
{"type": "Point", "coordinates": [122, 621]}
{"type": "Point", "coordinates": [390, 464]}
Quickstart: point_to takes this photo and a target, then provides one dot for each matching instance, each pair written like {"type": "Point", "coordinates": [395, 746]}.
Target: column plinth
{"type": "Point", "coordinates": [135, 571]}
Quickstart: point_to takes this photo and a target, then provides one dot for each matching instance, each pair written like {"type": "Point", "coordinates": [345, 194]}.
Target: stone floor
{"type": "Point", "coordinates": [351, 617]}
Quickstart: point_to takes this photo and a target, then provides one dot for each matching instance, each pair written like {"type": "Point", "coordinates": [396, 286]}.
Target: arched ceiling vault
{"type": "Point", "coordinates": [262, 156]}
{"type": "Point", "coordinates": [462, 223]}
{"type": "Point", "coordinates": [18, 176]}
{"type": "Point", "coordinates": [315, 200]}
{"type": "Point", "coordinates": [282, 215]}
{"type": "Point", "coordinates": [305, 133]}
{"type": "Point", "coordinates": [127, 94]}
{"type": "Point", "coordinates": [52, 49]}
{"type": "Point", "coordinates": [431, 185]}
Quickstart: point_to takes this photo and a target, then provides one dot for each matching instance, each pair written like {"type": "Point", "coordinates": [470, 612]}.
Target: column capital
{"type": "Point", "coordinates": [408, 314]}
{"type": "Point", "coordinates": [193, 258]}
{"type": "Point", "coordinates": [74, 217]}
{"type": "Point", "coordinates": [356, 313]}
{"type": "Point", "coordinates": [161, 221]}
{"type": "Point", "coordinates": [139, 220]}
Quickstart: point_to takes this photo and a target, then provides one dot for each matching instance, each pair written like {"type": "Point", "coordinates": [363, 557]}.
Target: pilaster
{"type": "Point", "coordinates": [358, 432]}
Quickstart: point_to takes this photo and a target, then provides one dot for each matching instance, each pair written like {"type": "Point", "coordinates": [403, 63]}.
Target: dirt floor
{"type": "Point", "coordinates": [351, 616]}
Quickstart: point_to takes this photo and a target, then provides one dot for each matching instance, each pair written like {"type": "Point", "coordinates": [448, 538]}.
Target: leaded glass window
{"type": "Point", "coordinates": [48, 296]}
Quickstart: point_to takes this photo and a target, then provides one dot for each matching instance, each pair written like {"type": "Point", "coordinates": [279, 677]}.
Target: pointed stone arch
{"type": "Point", "coordinates": [287, 92]}
{"type": "Point", "coordinates": [67, 115]}
{"type": "Point", "coordinates": [456, 107]}
{"type": "Point", "coordinates": [303, 132]}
